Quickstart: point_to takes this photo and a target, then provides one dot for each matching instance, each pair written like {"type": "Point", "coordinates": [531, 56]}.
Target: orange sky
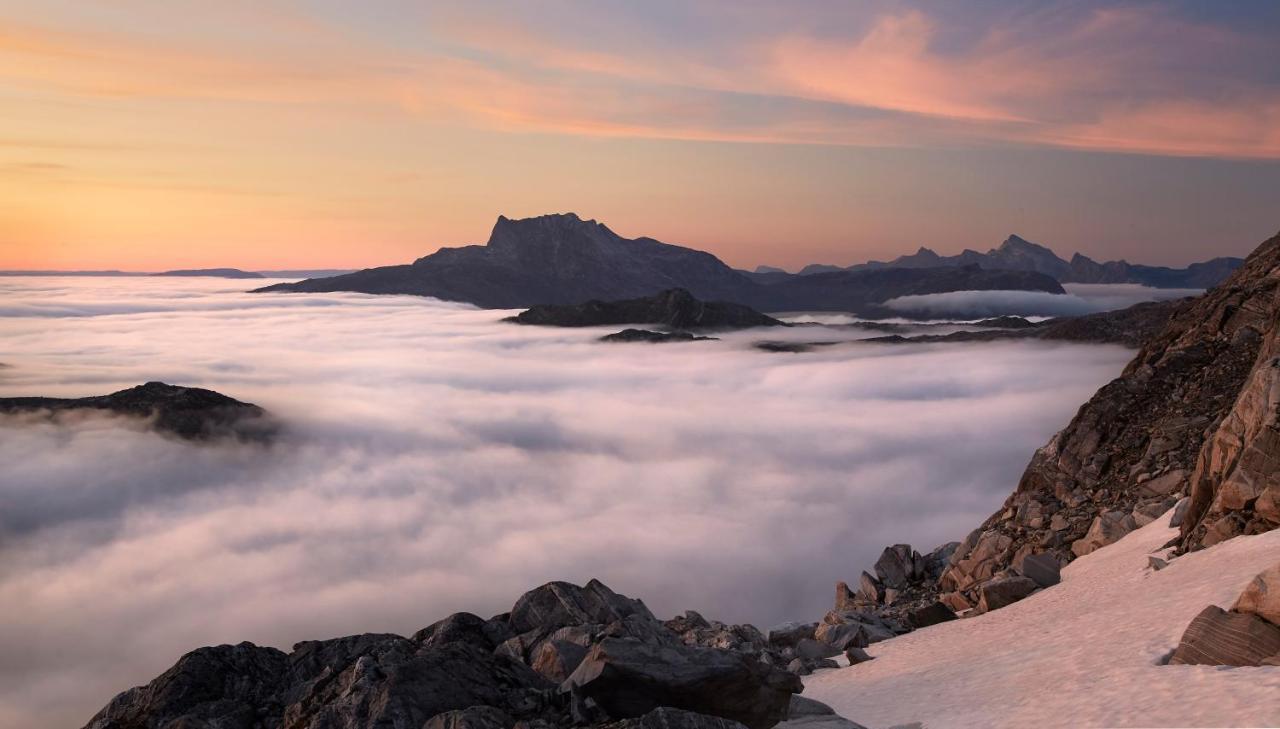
{"type": "Point", "coordinates": [149, 135]}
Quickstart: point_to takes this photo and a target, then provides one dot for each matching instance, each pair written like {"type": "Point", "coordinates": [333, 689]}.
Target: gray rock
{"type": "Point", "coordinates": [1002, 591]}
{"type": "Point", "coordinates": [557, 604]}
{"type": "Point", "coordinates": [791, 633]}
{"type": "Point", "coordinates": [1156, 563]}
{"type": "Point", "coordinates": [813, 650]}
{"type": "Point", "coordinates": [857, 655]}
{"type": "Point", "coordinates": [1219, 638]}
{"type": "Point", "coordinates": [870, 589]}
{"type": "Point", "coordinates": [842, 635]}
{"type": "Point", "coordinates": [1179, 512]}
{"type": "Point", "coordinates": [1043, 569]}
{"type": "Point", "coordinates": [896, 566]}
{"type": "Point", "coordinates": [629, 679]}
{"type": "Point", "coordinates": [931, 614]}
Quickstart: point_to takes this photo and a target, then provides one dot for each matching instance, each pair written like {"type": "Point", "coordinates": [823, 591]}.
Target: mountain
{"type": "Point", "coordinates": [552, 259]}
{"type": "Point", "coordinates": [1019, 254]}
{"type": "Point", "coordinates": [190, 413]}
{"type": "Point", "coordinates": [564, 260]}
{"type": "Point", "coordinates": [676, 308]}
{"type": "Point", "coordinates": [863, 291]}
{"type": "Point", "coordinates": [211, 272]}
{"type": "Point", "coordinates": [1194, 414]}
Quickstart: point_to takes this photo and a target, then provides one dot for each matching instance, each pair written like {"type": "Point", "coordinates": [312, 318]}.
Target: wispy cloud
{"type": "Point", "coordinates": [1116, 78]}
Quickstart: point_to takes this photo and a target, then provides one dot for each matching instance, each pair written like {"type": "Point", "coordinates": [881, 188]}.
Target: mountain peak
{"type": "Point", "coordinates": [1016, 243]}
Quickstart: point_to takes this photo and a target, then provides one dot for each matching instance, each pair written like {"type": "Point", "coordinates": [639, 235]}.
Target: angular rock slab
{"type": "Point", "coordinates": [1219, 638]}
{"type": "Point", "coordinates": [1043, 569]}
{"type": "Point", "coordinates": [1262, 596]}
{"type": "Point", "coordinates": [629, 679]}
{"type": "Point", "coordinates": [1002, 591]}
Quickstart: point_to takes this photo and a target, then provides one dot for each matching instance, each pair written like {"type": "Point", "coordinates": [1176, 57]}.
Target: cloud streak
{"type": "Point", "coordinates": [439, 460]}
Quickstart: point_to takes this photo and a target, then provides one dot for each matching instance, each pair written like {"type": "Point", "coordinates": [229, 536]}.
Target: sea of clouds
{"type": "Point", "coordinates": [437, 459]}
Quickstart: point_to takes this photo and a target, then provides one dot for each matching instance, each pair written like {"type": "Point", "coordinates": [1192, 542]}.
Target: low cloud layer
{"type": "Point", "coordinates": [438, 460]}
{"type": "Point", "coordinates": [1079, 299]}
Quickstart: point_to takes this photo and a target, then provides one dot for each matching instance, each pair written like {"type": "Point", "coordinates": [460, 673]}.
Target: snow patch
{"type": "Point", "coordinates": [1086, 653]}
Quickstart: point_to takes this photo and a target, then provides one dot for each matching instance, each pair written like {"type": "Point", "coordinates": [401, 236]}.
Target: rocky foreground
{"type": "Point", "coordinates": [189, 413]}
{"type": "Point", "coordinates": [563, 656]}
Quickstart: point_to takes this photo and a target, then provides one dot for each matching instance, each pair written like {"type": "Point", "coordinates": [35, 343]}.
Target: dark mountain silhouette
{"type": "Point", "coordinates": [562, 259]}
{"type": "Point", "coordinates": [676, 308]}
{"type": "Point", "coordinates": [212, 272]}
{"type": "Point", "coordinates": [186, 412]}
{"type": "Point", "coordinates": [1019, 254]}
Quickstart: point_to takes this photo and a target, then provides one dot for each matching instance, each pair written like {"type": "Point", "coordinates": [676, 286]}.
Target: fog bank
{"type": "Point", "coordinates": [438, 460]}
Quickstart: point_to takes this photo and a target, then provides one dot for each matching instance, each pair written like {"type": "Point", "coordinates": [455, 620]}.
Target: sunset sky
{"type": "Point", "coordinates": [151, 135]}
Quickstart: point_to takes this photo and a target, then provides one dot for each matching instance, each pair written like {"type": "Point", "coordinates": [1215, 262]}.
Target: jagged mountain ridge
{"type": "Point", "coordinates": [565, 260]}
{"type": "Point", "coordinates": [1019, 254]}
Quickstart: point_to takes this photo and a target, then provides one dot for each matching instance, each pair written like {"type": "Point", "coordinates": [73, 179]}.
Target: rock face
{"type": "Point", "coordinates": [564, 260]}
{"type": "Point", "coordinates": [186, 412]}
{"type": "Point", "coordinates": [1262, 596]}
{"type": "Point", "coordinates": [675, 308]}
{"type": "Point", "coordinates": [564, 655]}
{"type": "Point", "coordinates": [1194, 412]}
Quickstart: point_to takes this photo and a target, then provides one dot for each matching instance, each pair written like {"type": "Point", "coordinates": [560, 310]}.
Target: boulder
{"type": "Point", "coordinates": [997, 593]}
{"type": "Point", "coordinates": [814, 650]}
{"type": "Point", "coordinates": [870, 589]}
{"type": "Point", "coordinates": [791, 633]}
{"type": "Point", "coordinates": [956, 601]}
{"type": "Point", "coordinates": [627, 678]}
{"type": "Point", "coordinates": [1219, 638]}
{"type": "Point", "coordinates": [1179, 512]}
{"type": "Point", "coordinates": [1043, 569]}
{"type": "Point", "coordinates": [1107, 528]}
{"type": "Point", "coordinates": [857, 655]}
{"type": "Point", "coordinates": [896, 567]}
{"type": "Point", "coordinates": [990, 550]}
{"type": "Point", "coordinates": [557, 604]}
{"type": "Point", "coordinates": [846, 599]}
{"type": "Point", "coordinates": [842, 635]}
{"type": "Point", "coordinates": [1156, 563]}
{"type": "Point", "coordinates": [936, 561]}
{"type": "Point", "coordinates": [1169, 483]}
{"type": "Point", "coordinates": [475, 717]}
{"type": "Point", "coordinates": [555, 660]}
{"type": "Point", "coordinates": [930, 614]}
{"type": "Point", "coordinates": [1262, 596]}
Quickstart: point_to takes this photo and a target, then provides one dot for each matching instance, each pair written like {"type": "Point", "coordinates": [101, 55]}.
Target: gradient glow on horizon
{"type": "Point", "coordinates": [149, 135]}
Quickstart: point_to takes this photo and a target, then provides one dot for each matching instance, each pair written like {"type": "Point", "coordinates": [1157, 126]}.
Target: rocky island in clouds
{"type": "Point", "coordinates": [727, 422]}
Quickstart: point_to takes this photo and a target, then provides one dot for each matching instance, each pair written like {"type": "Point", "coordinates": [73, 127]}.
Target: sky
{"type": "Point", "coordinates": [435, 459]}
{"type": "Point", "coordinates": [150, 135]}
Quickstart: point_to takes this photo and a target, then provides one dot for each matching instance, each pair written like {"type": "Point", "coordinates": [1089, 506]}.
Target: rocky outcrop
{"type": "Point", "coordinates": [1194, 412]}
{"type": "Point", "coordinates": [651, 337]}
{"type": "Point", "coordinates": [676, 308]}
{"type": "Point", "coordinates": [185, 412]}
{"type": "Point", "coordinates": [1220, 638]}
{"type": "Point", "coordinates": [564, 655]}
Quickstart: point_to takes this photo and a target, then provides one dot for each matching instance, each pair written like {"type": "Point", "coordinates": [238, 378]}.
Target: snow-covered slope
{"type": "Point", "coordinates": [1085, 653]}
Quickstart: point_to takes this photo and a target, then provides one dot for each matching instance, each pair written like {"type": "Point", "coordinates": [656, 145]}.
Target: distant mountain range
{"type": "Point", "coordinates": [563, 259]}
{"type": "Point", "coordinates": [214, 272]}
{"type": "Point", "coordinates": [1019, 254]}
